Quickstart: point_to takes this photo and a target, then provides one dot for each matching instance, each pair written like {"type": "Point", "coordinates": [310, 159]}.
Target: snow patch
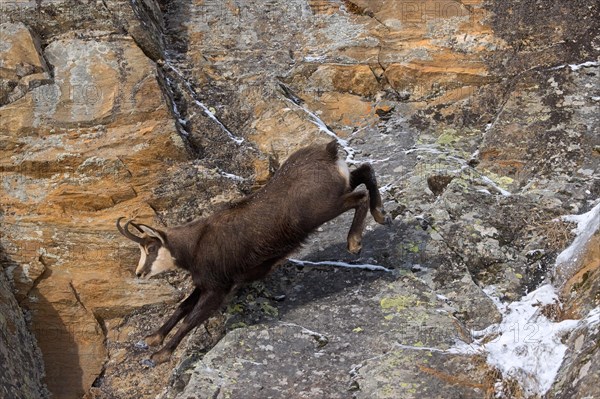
{"type": "Point", "coordinates": [576, 67]}
{"type": "Point", "coordinates": [526, 345]}
{"type": "Point", "coordinates": [310, 58]}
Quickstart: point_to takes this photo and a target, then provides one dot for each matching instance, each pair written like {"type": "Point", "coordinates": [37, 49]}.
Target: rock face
{"type": "Point", "coordinates": [21, 364]}
{"type": "Point", "coordinates": [77, 152]}
{"type": "Point", "coordinates": [481, 122]}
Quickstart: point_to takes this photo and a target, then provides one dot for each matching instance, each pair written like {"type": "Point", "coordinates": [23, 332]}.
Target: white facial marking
{"type": "Point", "coordinates": [343, 169]}
{"type": "Point", "coordinates": [164, 261]}
{"type": "Point", "coordinates": [142, 260]}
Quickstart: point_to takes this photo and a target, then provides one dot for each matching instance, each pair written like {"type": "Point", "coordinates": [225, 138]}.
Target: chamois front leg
{"type": "Point", "coordinates": [207, 304]}
{"type": "Point", "coordinates": [182, 310]}
{"type": "Point", "coordinates": [365, 174]}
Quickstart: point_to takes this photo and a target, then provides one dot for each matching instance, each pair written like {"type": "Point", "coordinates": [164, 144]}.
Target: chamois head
{"type": "Point", "coordinates": [155, 255]}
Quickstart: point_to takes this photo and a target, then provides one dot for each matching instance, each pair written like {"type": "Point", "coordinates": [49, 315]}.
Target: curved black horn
{"type": "Point", "coordinates": [125, 231]}
{"type": "Point", "coordinates": [137, 226]}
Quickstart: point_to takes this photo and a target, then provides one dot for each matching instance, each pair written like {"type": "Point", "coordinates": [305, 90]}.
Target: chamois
{"type": "Point", "coordinates": [247, 239]}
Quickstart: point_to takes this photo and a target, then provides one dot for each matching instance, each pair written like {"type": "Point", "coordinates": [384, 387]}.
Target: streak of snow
{"type": "Point", "coordinates": [460, 348]}
{"type": "Point", "coordinates": [340, 264]}
{"type": "Point", "coordinates": [345, 144]}
{"type": "Point", "coordinates": [587, 224]}
{"type": "Point", "coordinates": [325, 129]}
{"type": "Point", "coordinates": [211, 115]}
{"type": "Point", "coordinates": [307, 331]}
{"type": "Point", "coordinates": [489, 181]}
{"type": "Point", "coordinates": [576, 67]}
{"type": "Point", "coordinates": [319, 58]}
{"type": "Point", "coordinates": [242, 360]}
{"type": "Point", "coordinates": [231, 176]}
{"type": "Point", "coordinates": [386, 188]}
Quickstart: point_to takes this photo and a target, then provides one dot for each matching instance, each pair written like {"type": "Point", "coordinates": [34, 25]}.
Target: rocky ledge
{"type": "Point", "coordinates": [480, 118]}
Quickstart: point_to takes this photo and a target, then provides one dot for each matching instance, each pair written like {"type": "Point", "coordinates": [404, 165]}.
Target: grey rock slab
{"type": "Point", "coordinates": [326, 345]}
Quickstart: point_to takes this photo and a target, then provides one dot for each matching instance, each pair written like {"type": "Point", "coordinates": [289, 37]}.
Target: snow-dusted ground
{"type": "Point", "coordinates": [526, 345]}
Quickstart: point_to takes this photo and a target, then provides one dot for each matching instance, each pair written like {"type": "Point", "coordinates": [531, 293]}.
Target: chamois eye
{"type": "Point", "coordinates": [152, 248]}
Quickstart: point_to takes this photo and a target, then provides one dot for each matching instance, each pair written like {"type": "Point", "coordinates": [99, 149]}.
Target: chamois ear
{"type": "Point", "coordinates": [152, 232]}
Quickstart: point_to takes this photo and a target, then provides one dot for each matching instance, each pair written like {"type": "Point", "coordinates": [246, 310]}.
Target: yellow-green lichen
{"type": "Point", "coordinates": [235, 308]}
{"type": "Point", "coordinates": [447, 138]}
{"type": "Point", "coordinates": [270, 310]}
{"type": "Point", "coordinates": [398, 303]}
{"type": "Point", "coordinates": [502, 181]}
{"type": "Point", "coordinates": [240, 324]}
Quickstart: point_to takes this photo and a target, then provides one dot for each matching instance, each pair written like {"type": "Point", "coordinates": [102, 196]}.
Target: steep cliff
{"type": "Point", "coordinates": [481, 120]}
{"type": "Point", "coordinates": [21, 364]}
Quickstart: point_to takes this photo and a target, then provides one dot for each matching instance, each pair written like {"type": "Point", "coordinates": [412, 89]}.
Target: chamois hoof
{"type": "Point", "coordinates": [382, 217]}
{"type": "Point", "coordinates": [161, 356]}
{"type": "Point", "coordinates": [154, 339]}
{"type": "Point", "coordinates": [354, 246]}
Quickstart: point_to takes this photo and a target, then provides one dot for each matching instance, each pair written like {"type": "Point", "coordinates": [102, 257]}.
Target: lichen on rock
{"type": "Point", "coordinates": [480, 119]}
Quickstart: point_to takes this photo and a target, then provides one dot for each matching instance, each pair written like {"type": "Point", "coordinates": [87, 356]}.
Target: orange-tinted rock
{"type": "Point", "coordinates": [80, 153]}
{"type": "Point", "coordinates": [98, 142]}
{"type": "Point", "coordinates": [581, 292]}
{"type": "Point", "coordinates": [20, 52]}
{"type": "Point", "coordinates": [69, 336]}
{"type": "Point", "coordinates": [353, 79]}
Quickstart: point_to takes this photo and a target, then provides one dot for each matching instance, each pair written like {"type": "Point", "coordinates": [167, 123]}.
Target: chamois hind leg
{"type": "Point", "coordinates": [207, 304]}
{"type": "Point", "coordinates": [359, 200]}
{"type": "Point", "coordinates": [365, 174]}
{"type": "Point", "coordinates": [182, 310]}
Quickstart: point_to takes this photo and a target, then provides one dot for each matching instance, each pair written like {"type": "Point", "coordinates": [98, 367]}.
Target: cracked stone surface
{"type": "Point", "coordinates": [480, 119]}
{"type": "Point", "coordinates": [21, 364]}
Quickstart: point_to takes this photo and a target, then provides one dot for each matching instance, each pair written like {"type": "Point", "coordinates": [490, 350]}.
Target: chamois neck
{"type": "Point", "coordinates": [182, 242]}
